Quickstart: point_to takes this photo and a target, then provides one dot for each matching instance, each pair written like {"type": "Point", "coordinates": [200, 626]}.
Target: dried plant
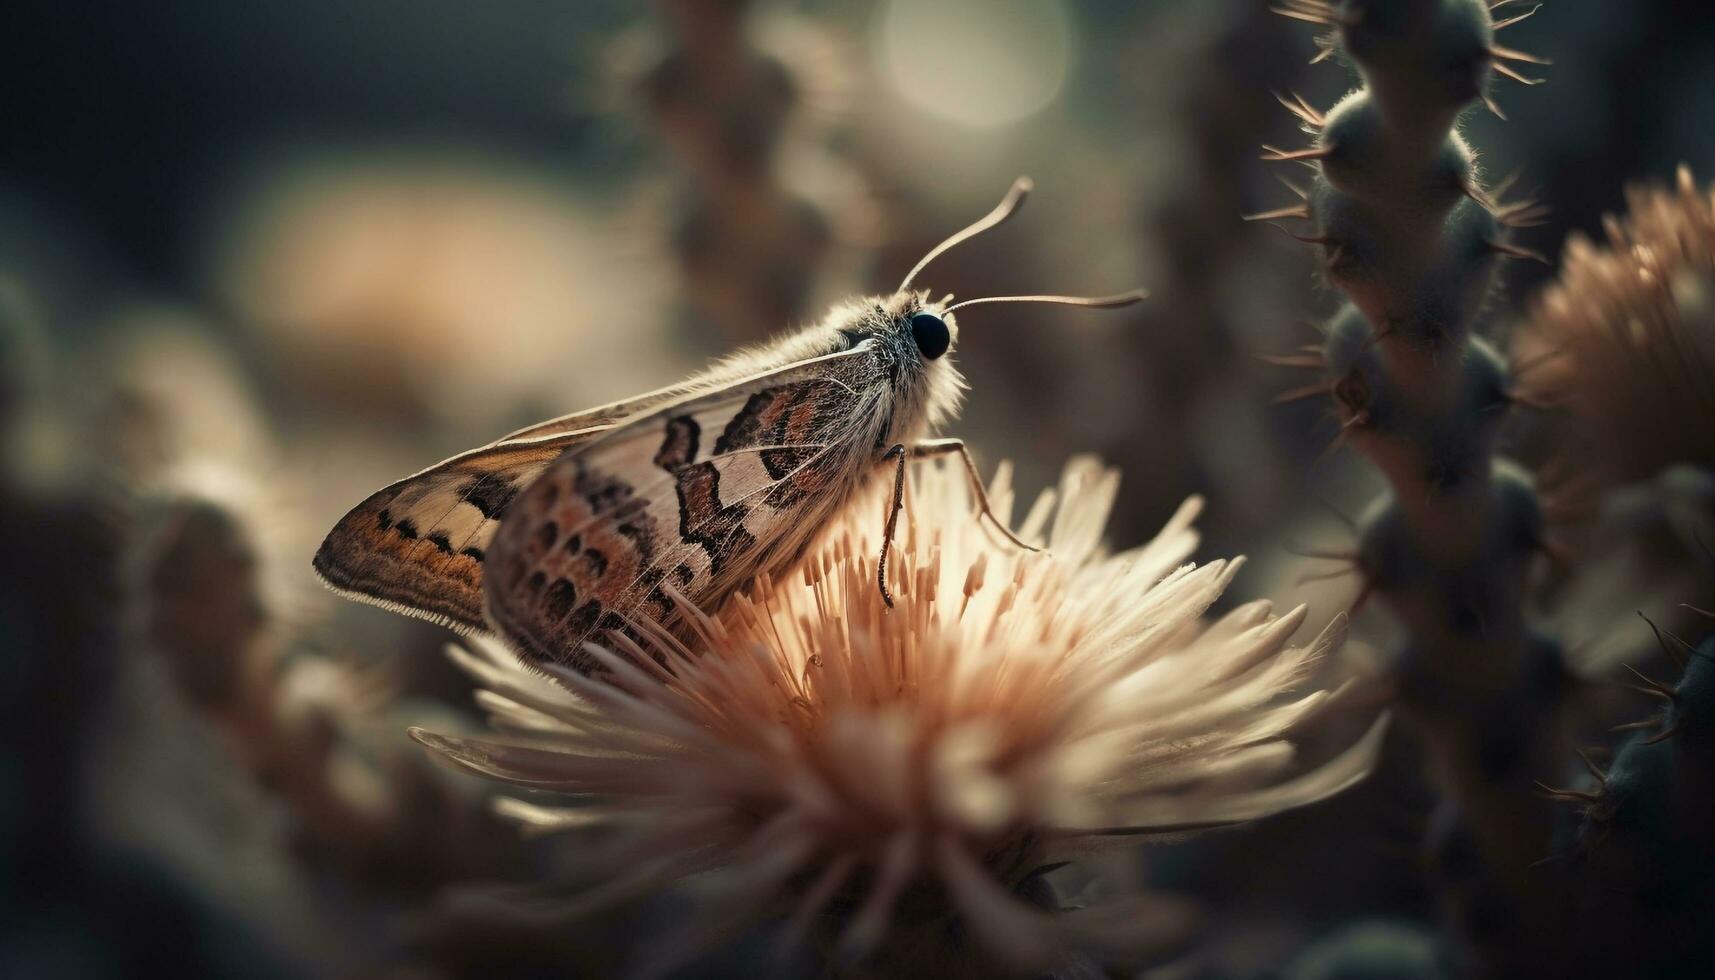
{"type": "Point", "coordinates": [1626, 339]}
{"type": "Point", "coordinates": [851, 766]}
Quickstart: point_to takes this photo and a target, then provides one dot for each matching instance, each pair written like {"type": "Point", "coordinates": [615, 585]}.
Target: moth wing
{"type": "Point", "coordinates": [603, 417]}
{"type": "Point", "coordinates": [698, 495]}
{"type": "Point", "coordinates": [419, 545]}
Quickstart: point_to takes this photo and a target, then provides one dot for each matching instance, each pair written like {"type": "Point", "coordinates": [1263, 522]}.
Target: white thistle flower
{"type": "Point", "coordinates": [871, 772]}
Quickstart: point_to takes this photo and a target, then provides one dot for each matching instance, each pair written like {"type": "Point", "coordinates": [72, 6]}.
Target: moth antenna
{"type": "Point", "coordinates": [1091, 302]}
{"type": "Point", "coordinates": [1007, 207]}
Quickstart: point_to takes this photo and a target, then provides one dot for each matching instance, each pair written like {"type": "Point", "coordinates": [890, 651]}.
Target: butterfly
{"type": "Point", "coordinates": [583, 524]}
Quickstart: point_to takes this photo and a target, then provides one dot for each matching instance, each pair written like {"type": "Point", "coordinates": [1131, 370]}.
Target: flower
{"type": "Point", "coordinates": [854, 765]}
{"type": "Point", "coordinates": [1626, 338]}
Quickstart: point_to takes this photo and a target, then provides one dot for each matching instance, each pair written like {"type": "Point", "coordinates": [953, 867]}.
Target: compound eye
{"type": "Point", "coordinates": [930, 333]}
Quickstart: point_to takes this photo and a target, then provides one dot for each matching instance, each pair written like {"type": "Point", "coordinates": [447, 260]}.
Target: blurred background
{"type": "Point", "coordinates": [257, 260]}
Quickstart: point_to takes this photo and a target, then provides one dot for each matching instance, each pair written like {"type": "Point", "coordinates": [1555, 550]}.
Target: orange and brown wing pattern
{"type": "Point", "coordinates": [420, 545]}
{"type": "Point", "coordinates": [700, 497]}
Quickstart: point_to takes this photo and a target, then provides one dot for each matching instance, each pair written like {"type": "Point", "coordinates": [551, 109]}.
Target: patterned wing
{"type": "Point", "coordinates": [419, 546]}
{"type": "Point", "coordinates": [699, 495]}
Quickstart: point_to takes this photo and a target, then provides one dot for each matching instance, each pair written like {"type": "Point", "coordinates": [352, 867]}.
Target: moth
{"type": "Point", "coordinates": [583, 524]}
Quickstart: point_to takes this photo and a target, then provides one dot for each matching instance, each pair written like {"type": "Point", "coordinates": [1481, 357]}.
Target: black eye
{"type": "Point", "coordinates": [930, 333]}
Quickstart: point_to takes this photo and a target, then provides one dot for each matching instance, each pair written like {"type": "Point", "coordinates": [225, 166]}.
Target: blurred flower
{"type": "Point", "coordinates": [425, 284]}
{"type": "Point", "coordinates": [856, 766]}
{"type": "Point", "coordinates": [1627, 337]}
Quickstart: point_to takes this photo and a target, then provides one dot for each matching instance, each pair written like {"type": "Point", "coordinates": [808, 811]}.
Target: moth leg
{"type": "Point", "coordinates": [931, 448]}
{"type": "Point", "coordinates": [897, 452]}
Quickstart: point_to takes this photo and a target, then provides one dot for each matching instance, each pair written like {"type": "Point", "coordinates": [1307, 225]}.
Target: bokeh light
{"type": "Point", "coordinates": [981, 63]}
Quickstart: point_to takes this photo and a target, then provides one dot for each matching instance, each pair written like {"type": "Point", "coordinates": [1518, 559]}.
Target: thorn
{"type": "Point", "coordinates": [1299, 15]}
{"type": "Point", "coordinates": [1590, 764]}
{"type": "Point", "coordinates": [1510, 21]}
{"type": "Point", "coordinates": [1327, 46]}
{"type": "Point", "coordinates": [1662, 735]}
{"type": "Point", "coordinates": [1313, 11]}
{"type": "Point", "coordinates": [1278, 155]}
{"type": "Point", "coordinates": [1295, 211]}
{"type": "Point", "coordinates": [1566, 795]}
{"type": "Point", "coordinates": [1310, 361]}
{"type": "Point", "coordinates": [1661, 638]}
{"type": "Point", "coordinates": [1505, 184]}
{"type": "Point", "coordinates": [1300, 107]}
{"type": "Point", "coordinates": [1522, 79]}
{"type": "Point", "coordinates": [1651, 687]}
{"type": "Point", "coordinates": [1511, 55]}
{"type": "Point", "coordinates": [1305, 239]}
{"type": "Point", "coordinates": [1512, 251]}
{"type": "Point", "coordinates": [1635, 726]}
{"type": "Point", "coordinates": [1522, 214]}
{"type": "Point", "coordinates": [1706, 614]}
{"type": "Point", "coordinates": [1490, 104]}
{"type": "Point", "coordinates": [1302, 192]}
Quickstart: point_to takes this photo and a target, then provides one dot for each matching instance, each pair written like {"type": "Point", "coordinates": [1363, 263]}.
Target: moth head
{"type": "Point", "coordinates": [932, 328]}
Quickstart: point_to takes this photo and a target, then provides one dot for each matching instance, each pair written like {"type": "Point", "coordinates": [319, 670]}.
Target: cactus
{"type": "Point", "coordinates": [1413, 237]}
{"type": "Point", "coordinates": [1641, 860]}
